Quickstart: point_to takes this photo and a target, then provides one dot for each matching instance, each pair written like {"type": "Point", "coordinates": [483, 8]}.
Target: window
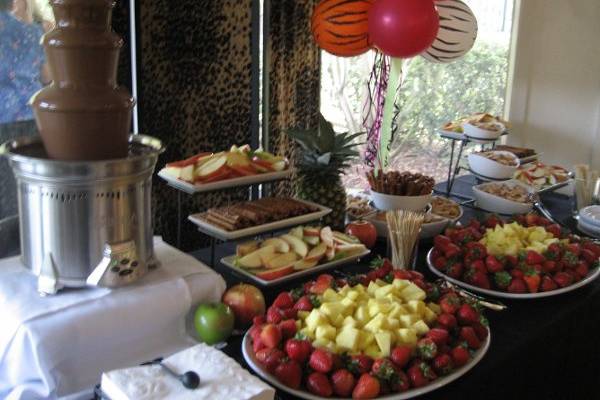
{"type": "Point", "coordinates": [431, 94]}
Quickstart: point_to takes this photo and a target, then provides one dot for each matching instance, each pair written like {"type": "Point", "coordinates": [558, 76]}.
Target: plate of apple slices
{"type": "Point", "coordinates": [240, 166]}
{"type": "Point", "coordinates": [302, 251]}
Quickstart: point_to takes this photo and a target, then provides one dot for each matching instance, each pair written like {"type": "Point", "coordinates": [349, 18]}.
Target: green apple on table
{"type": "Point", "coordinates": [214, 322]}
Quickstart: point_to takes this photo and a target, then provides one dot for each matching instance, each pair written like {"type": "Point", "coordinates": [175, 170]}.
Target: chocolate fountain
{"type": "Point", "coordinates": [84, 188]}
{"type": "Point", "coordinates": [83, 114]}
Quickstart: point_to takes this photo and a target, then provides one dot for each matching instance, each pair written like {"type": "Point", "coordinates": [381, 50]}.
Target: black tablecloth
{"type": "Point", "coordinates": [540, 349]}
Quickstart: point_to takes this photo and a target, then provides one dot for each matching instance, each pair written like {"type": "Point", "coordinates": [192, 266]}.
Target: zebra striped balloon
{"type": "Point", "coordinates": [457, 33]}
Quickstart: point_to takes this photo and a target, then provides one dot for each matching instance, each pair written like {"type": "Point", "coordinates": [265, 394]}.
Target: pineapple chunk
{"type": "Point", "coordinates": [325, 332]}
{"type": "Point", "coordinates": [435, 308]}
{"type": "Point", "coordinates": [398, 310]}
{"type": "Point", "coordinates": [360, 288]}
{"type": "Point", "coordinates": [381, 283]}
{"type": "Point", "coordinates": [366, 339]}
{"type": "Point", "coordinates": [337, 320]}
{"type": "Point", "coordinates": [416, 307]}
{"type": "Point", "coordinates": [429, 315]}
{"type": "Point", "coordinates": [349, 304]}
{"type": "Point", "coordinates": [349, 321]}
{"type": "Point", "coordinates": [307, 332]}
{"type": "Point", "coordinates": [400, 284]}
{"type": "Point", "coordinates": [406, 336]}
{"type": "Point", "coordinates": [353, 294]}
{"type": "Point", "coordinates": [361, 314]}
{"type": "Point", "coordinates": [314, 319]}
{"type": "Point", "coordinates": [384, 291]}
{"type": "Point", "coordinates": [322, 343]}
{"type": "Point", "coordinates": [303, 314]}
{"type": "Point", "coordinates": [372, 288]}
{"type": "Point", "coordinates": [373, 351]}
{"type": "Point", "coordinates": [344, 291]}
{"type": "Point", "coordinates": [348, 338]}
{"type": "Point", "coordinates": [384, 342]}
{"type": "Point", "coordinates": [412, 292]}
{"type": "Point", "coordinates": [407, 320]}
{"type": "Point", "coordinates": [393, 323]}
{"type": "Point", "coordinates": [332, 309]}
{"type": "Point", "coordinates": [376, 324]}
{"type": "Point", "coordinates": [330, 295]}
{"type": "Point", "coordinates": [298, 325]}
{"type": "Point", "coordinates": [421, 327]}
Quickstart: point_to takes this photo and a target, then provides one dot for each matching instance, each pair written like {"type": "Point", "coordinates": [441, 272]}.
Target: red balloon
{"type": "Point", "coordinates": [403, 28]}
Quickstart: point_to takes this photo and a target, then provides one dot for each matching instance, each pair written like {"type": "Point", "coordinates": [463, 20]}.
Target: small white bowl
{"type": "Point", "coordinates": [475, 132]}
{"type": "Point", "coordinates": [488, 168]}
{"type": "Point", "coordinates": [431, 229]}
{"type": "Point", "coordinates": [388, 202]}
{"type": "Point", "coordinates": [500, 205]}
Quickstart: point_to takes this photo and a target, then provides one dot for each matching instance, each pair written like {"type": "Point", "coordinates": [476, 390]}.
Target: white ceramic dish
{"type": "Point", "coordinates": [590, 278]}
{"type": "Point", "coordinates": [476, 133]}
{"type": "Point", "coordinates": [488, 168]}
{"type": "Point", "coordinates": [220, 233]}
{"type": "Point", "coordinates": [497, 204]}
{"type": "Point", "coordinates": [409, 394]}
{"type": "Point", "coordinates": [590, 216]}
{"type": "Point", "coordinates": [588, 229]}
{"type": "Point", "coordinates": [388, 202]}
{"type": "Point", "coordinates": [229, 262]}
{"type": "Point", "coordinates": [226, 183]}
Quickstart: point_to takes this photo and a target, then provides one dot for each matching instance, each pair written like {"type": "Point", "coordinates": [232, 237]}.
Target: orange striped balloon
{"type": "Point", "coordinates": [341, 27]}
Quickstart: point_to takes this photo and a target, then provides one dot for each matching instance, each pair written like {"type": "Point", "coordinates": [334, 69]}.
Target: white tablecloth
{"type": "Point", "coordinates": [58, 346]}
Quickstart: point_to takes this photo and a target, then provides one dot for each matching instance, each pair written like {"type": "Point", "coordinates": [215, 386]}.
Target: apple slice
{"type": "Point", "coordinates": [188, 161]}
{"type": "Point", "coordinates": [262, 165]}
{"type": "Point", "coordinates": [212, 167]}
{"type": "Point", "coordinates": [279, 165]}
{"type": "Point", "coordinates": [281, 246]}
{"type": "Point", "coordinates": [350, 249]}
{"type": "Point", "coordinates": [271, 274]}
{"type": "Point", "coordinates": [330, 253]}
{"type": "Point", "coordinates": [297, 231]}
{"type": "Point", "coordinates": [342, 238]}
{"type": "Point", "coordinates": [317, 253]}
{"type": "Point", "coordinates": [282, 260]}
{"type": "Point", "coordinates": [296, 244]}
{"type": "Point", "coordinates": [327, 236]}
{"type": "Point", "coordinates": [246, 248]}
{"type": "Point", "coordinates": [187, 173]}
{"type": "Point", "coordinates": [235, 158]}
{"type": "Point", "coordinates": [312, 231]}
{"type": "Point", "coordinates": [304, 264]}
{"type": "Point", "coordinates": [255, 259]}
{"type": "Point", "coordinates": [312, 240]}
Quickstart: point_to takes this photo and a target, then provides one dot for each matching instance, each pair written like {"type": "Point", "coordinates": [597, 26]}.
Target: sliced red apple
{"type": "Point", "coordinates": [327, 236]}
{"type": "Point", "coordinates": [305, 264]}
{"type": "Point", "coordinates": [312, 240]}
{"type": "Point", "coordinates": [281, 246]}
{"type": "Point", "coordinates": [342, 238]}
{"type": "Point", "coordinates": [244, 170]}
{"type": "Point", "coordinates": [312, 231]}
{"type": "Point", "coordinates": [262, 165]}
{"type": "Point", "coordinates": [330, 253]}
{"type": "Point", "coordinates": [212, 167]}
{"type": "Point", "coordinates": [350, 249]}
{"type": "Point", "coordinates": [255, 258]}
{"type": "Point", "coordinates": [317, 253]}
{"type": "Point", "coordinates": [188, 161]}
{"type": "Point", "coordinates": [271, 274]}
{"type": "Point", "coordinates": [279, 165]}
{"type": "Point", "coordinates": [296, 244]}
{"type": "Point", "coordinates": [282, 260]}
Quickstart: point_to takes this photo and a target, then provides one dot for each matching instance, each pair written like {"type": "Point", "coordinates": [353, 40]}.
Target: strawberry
{"type": "Point", "coordinates": [588, 256]}
{"type": "Point", "coordinates": [289, 373]}
{"type": "Point", "coordinates": [402, 383]}
{"type": "Point", "coordinates": [319, 384]}
{"type": "Point", "coordinates": [502, 279]}
{"type": "Point", "coordinates": [270, 335]}
{"type": "Point", "coordinates": [532, 280]}
{"type": "Point", "coordinates": [517, 285]}
{"type": "Point", "coordinates": [416, 275]}
{"type": "Point", "coordinates": [466, 315]}
{"type": "Point", "coordinates": [476, 251]}
{"type": "Point", "coordinates": [304, 304]}
{"type": "Point", "coordinates": [480, 279]}
{"type": "Point", "coordinates": [283, 301]}
{"type": "Point", "coordinates": [553, 252]}
{"type": "Point", "coordinates": [554, 229]}
{"type": "Point", "coordinates": [288, 328]}
{"type": "Point", "coordinates": [298, 350]}
{"type": "Point", "coordinates": [493, 265]}
{"type": "Point", "coordinates": [360, 364]}
{"type": "Point", "coordinates": [270, 358]}
{"type": "Point", "coordinates": [254, 332]}
{"type": "Point", "coordinates": [438, 335]}
{"type": "Point", "coordinates": [402, 274]}
{"type": "Point", "coordinates": [573, 248]}
{"type": "Point", "coordinates": [343, 382]}
{"type": "Point", "coordinates": [426, 348]}
{"type": "Point", "coordinates": [480, 330]}
{"type": "Point", "coordinates": [420, 374]}
{"type": "Point", "coordinates": [454, 270]}
{"type": "Point", "coordinates": [547, 284]}
{"type": "Point", "coordinates": [563, 279]}
{"type": "Point", "coordinates": [517, 273]}
{"type": "Point", "coordinates": [321, 361]}
{"type": "Point", "coordinates": [289, 313]}
{"type": "Point", "coordinates": [440, 242]}
{"type": "Point", "coordinates": [440, 263]}
{"type": "Point", "coordinates": [467, 333]}
{"type": "Point", "coordinates": [401, 355]}
{"type": "Point", "coordinates": [549, 266]}
{"type": "Point", "coordinates": [492, 221]}
{"type": "Point", "coordinates": [460, 356]}
{"type": "Point", "coordinates": [274, 315]}
{"type": "Point", "coordinates": [450, 303]}
{"type": "Point", "coordinates": [452, 251]}
{"type": "Point", "coordinates": [447, 321]}
{"type": "Point", "coordinates": [257, 345]}
{"type": "Point", "coordinates": [442, 364]}
{"type": "Point", "coordinates": [322, 283]}
{"type": "Point", "coordinates": [593, 247]}
{"type": "Point", "coordinates": [367, 387]}
{"type": "Point", "coordinates": [582, 269]}
{"type": "Point", "coordinates": [531, 220]}
{"type": "Point", "coordinates": [479, 266]}
{"type": "Point", "coordinates": [258, 320]}
{"type": "Point", "coordinates": [533, 257]}
{"type": "Point", "coordinates": [511, 261]}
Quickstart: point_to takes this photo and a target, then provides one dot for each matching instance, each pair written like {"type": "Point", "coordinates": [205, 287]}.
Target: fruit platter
{"type": "Point", "coordinates": [527, 258]}
{"type": "Point", "coordinates": [543, 177]}
{"type": "Point", "coordinates": [303, 250]}
{"type": "Point", "coordinates": [386, 334]}
{"type": "Point", "coordinates": [237, 167]}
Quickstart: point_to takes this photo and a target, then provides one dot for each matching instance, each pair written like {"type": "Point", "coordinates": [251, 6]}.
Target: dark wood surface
{"type": "Point", "coordinates": [540, 349]}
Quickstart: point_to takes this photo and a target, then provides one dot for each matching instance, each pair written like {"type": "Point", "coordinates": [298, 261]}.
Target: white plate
{"type": "Point", "coordinates": [500, 205]}
{"type": "Point", "coordinates": [438, 383]}
{"type": "Point", "coordinates": [587, 229]}
{"type": "Point", "coordinates": [220, 233]}
{"type": "Point", "coordinates": [590, 215]}
{"type": "Point", "coordinates": [229, 262]}
{"type": "Point", "coordinates": [226, 183]}
{"type": "Point", "coordinates": [591, 276]}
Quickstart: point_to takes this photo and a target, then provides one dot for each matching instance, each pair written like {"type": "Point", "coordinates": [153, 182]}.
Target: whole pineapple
{"type": "Point", "coordinates": [324, 155]}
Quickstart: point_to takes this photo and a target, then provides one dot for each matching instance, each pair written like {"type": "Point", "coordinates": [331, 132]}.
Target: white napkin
{"type": "Point", "coordinates": [221, 379]}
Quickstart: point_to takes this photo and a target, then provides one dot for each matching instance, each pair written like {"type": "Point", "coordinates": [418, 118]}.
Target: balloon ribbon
{"type": "Point", "coordinates": [387, 130]}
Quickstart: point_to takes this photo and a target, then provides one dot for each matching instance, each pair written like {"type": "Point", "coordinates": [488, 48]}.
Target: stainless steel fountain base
{"type": "Point", "coordinates": [85, 223]}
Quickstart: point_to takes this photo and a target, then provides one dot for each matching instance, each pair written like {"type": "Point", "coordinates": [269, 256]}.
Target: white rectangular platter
{"type": "Point", "coordinates": [229, 262]}
{"type": "Point", "coordinates": [220, 233]}
{"type": "Point", "coordinates": [191, 188]}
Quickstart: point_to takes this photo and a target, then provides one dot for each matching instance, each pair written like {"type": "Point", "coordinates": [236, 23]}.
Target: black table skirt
{"type": "Point", "coordinates": [540, 349]}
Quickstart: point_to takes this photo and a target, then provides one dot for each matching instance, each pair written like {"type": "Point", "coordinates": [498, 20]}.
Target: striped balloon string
{"type": "Point", "coordinates": [377, 88]}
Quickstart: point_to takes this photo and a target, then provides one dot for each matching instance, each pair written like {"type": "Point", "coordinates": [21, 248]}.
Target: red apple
{"type": "Point", "coordinates": [364, 231]}
{"type": "Point", "coordinates": [246, 301]}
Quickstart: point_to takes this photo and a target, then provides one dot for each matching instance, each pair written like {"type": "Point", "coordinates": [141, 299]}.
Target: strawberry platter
{"type": "Point", "coordinates": [386, 334]}
{"type": "Point", "coordinates": [526, 258]}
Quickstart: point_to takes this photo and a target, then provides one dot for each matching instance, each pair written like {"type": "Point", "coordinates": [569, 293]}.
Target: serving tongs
{"type": "Point", "coordinates": [492, 305]}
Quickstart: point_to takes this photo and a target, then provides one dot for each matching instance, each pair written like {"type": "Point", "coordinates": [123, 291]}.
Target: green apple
{"type": "Point", "coordinates": [214, 322]}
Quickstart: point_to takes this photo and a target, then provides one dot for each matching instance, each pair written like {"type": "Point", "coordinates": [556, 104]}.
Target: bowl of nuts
{"type": "Point", "coordinates": [395, 190]}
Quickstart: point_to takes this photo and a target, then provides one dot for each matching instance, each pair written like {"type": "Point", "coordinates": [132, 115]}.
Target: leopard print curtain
{"type": "Point", "coordinates": [194, 94]}
{"type": "Point", "coordinates": [294, 76]}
